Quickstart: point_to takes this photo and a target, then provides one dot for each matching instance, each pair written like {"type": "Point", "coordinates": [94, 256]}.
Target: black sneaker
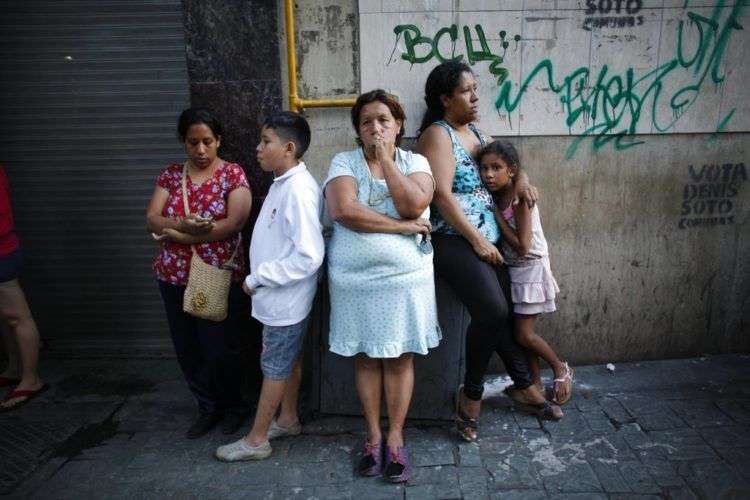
{"type": "Point", "coordinates": [232, 423]}
{"type": "Point", "coordinates": [397, 466]}
{"type": "Point", "coordinates": [204, 423]}
{"type": "Point", "coordinates": [371, 463]}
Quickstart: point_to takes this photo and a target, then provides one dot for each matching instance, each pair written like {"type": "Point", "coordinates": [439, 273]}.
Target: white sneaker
{"type": "Point", "coordinates": [277, 431]}
{"type": "Point", "coordinates": [240, 450]}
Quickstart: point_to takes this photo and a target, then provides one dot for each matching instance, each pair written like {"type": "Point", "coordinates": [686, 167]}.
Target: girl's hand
{"type": "Point", "coordinates": [415, 226]}
{"type": "Point", "coordinates": [488, 252]}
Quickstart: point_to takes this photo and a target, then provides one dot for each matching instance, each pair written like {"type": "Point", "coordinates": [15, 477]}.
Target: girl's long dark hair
{"type": "Point", "coordinates": [442, 80]}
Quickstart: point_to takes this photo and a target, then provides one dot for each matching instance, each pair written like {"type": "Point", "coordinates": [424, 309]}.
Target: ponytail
{"type": "Point", "coordinates": [442, 80]}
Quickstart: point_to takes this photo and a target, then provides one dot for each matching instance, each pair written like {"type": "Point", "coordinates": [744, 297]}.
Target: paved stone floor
{"type": "Point", "coordinates": [663, 429]}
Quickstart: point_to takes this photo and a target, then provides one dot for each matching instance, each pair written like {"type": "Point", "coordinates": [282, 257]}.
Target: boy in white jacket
{"type": "Point", "coordinates": [286, 252]}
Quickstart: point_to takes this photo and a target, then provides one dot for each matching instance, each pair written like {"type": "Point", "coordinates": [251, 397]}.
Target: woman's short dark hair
{"type": "Point", "coordinates": [504, 150]}
{"type": "Point", "coordinates": [442, 80]}
{"type": "Point", "coordinates": [194, 116]}
{"type": "Point", "coordinates": [382, 96]}
{"type": "Point", "coordinates": [290, 126]}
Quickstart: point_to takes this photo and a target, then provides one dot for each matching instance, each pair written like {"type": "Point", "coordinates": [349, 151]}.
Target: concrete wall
{"type": "Point", "coordinates": [555, 67]}
{"type": "Point", "coordinates": [637, 282]}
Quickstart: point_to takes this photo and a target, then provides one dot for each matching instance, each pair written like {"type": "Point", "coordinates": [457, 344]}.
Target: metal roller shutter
{"type": "Point", "coordinates": [89, 95]}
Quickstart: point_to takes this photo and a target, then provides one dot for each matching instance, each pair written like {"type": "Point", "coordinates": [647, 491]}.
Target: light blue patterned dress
{"type": "Point", "coordinates": [382, 287]}
{"type": "Point", "coordinates": [475, 200]}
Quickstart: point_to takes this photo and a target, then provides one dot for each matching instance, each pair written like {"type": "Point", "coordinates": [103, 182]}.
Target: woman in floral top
{"type": "Point", "coordinates": [219, 199]}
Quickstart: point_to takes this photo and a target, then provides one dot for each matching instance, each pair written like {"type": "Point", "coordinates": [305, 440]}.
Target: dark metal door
{"type": "Point", "coordinates": [89, 94]}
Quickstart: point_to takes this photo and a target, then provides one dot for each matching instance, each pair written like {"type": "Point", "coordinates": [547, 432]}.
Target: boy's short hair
{"type": "Point", "coordinates": [290, 126]}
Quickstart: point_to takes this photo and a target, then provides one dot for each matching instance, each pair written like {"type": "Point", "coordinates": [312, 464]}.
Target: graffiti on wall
{"type": "Point", "coordinates": [612, 14]}
{"type": "Point", "coordinates": [612, 105]}
{"type": "Point", "coordinates": [709, 196]}
{"type": "Point", "coordinates": [607, 72]}
{"type": "Point", "coordinates": [420, 49]}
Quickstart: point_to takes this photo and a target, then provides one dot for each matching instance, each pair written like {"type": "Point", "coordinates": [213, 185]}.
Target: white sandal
{"type": "Point", "coordinates": [565, 379]}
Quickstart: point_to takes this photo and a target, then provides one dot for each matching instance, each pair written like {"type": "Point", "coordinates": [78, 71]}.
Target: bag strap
{"type": "Point", "coordinates": [184, 189]}
{"type": "Point", "coordinates": [185, 203]}
{"type": "Point", "coordinates": [229, 264]}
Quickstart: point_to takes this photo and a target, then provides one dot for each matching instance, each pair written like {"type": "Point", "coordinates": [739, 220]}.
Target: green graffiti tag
{"type": "Point", "coordinates": [611, 108]}
{"type": "Point", "coordinates": [420, 48]}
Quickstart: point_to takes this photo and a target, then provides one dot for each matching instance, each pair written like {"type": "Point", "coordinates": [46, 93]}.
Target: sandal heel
{"type": "Point", "coordinates": [465, 425]}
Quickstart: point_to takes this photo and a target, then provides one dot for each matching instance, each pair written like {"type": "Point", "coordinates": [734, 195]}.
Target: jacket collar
{"type": "Point", "coordinates": [300, 167]}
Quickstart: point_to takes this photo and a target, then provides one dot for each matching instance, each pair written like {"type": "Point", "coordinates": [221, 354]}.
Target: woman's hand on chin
{"type": "Point", "coordinates": [382, 150]}
{"type": "Point", "coordinates": [415, 226]}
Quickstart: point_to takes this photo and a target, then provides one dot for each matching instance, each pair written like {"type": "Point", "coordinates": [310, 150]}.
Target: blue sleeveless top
{"type": "Point", "coordinates": [472, 196]}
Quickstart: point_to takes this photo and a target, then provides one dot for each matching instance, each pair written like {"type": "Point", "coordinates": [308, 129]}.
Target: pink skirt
{"type": "Point", "coordinates": [532, 287]}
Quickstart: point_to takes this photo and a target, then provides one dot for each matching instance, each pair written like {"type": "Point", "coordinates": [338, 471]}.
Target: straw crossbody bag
{"type": "Point", "coordinates": [207, 291]}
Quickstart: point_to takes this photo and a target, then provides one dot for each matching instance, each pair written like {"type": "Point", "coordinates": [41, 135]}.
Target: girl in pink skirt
{"type": "Point", "coordinates": [524, 249]}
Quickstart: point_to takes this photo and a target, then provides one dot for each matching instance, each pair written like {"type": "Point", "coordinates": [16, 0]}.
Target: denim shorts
{"type": "Point", "coordinates": [281, 346]}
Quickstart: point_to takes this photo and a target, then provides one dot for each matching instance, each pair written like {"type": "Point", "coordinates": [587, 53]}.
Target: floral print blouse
{"type": "Point", "coordinates": [209, 199]}
{"type": "Point", "coordinates": [475, 200]}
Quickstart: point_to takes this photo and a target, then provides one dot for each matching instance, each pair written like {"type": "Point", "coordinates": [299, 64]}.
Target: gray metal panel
{"type": "Point", "coordinates": [89, 94]}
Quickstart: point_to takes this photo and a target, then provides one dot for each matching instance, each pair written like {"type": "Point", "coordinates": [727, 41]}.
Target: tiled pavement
{"type": "Point", "coordinates": [663, 429]}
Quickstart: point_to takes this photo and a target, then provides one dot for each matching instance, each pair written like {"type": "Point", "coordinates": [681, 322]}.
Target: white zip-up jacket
{"type": "Point", "coordinates": [287, 249]}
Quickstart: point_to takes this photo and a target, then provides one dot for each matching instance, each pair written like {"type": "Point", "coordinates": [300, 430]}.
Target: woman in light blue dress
{"type": "Point", "coordinates": [380, 272]}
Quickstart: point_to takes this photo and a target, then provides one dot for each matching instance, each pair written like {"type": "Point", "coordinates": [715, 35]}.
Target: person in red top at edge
{"type": "Point", "coordinates": [19, 331]}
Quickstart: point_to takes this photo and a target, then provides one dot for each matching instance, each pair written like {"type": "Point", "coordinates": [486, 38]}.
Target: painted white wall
{"type": "Point", "coordinates": [591, 47]}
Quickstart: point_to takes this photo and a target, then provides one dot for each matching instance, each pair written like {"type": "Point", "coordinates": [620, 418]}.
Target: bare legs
{"type": "Point", "coordinates": [399, 385]}
{"type": "Point", "coordinates": [368, 373]}
{"type": "Point", "coordinates": [272, 394]}
{"type": "Point", "coordinates": [288, 414]}
{"type": "Point", "coordinates": [21, 338]}
{"type": "Point", "coordinates": [13, 368]}
{"type": "Point", "coordinates": [537, 347]}
{"type": "Point", "coordinates": [396, 377]}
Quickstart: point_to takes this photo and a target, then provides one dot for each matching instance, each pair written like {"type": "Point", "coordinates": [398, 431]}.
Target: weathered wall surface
{"type": "Point", "coordinates": [586, 67]}
{"type": "Point", "coordinates": [650, 244]}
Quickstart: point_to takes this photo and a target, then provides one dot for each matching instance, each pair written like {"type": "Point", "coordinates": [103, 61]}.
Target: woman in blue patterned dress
{"type": "Point", "coordinates": [465, 237]}
{"type": "Point", "coordinates": [380, 272]}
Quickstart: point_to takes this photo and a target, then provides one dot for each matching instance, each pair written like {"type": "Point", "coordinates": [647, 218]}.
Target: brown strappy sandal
{"type": "Point", "coordinates": [466, 426]}
{"type": "Point", "coordinates": [545, 411]}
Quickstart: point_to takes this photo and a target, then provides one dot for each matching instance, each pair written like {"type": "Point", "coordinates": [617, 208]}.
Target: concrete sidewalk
{"type": "Point", "coordinates": [664, 429]}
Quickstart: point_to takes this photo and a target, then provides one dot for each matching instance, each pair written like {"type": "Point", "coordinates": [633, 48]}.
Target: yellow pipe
{"type": "Point", "coordinates": [326, 103]}
{"type": "Point", "coordinates": [295, 102]}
